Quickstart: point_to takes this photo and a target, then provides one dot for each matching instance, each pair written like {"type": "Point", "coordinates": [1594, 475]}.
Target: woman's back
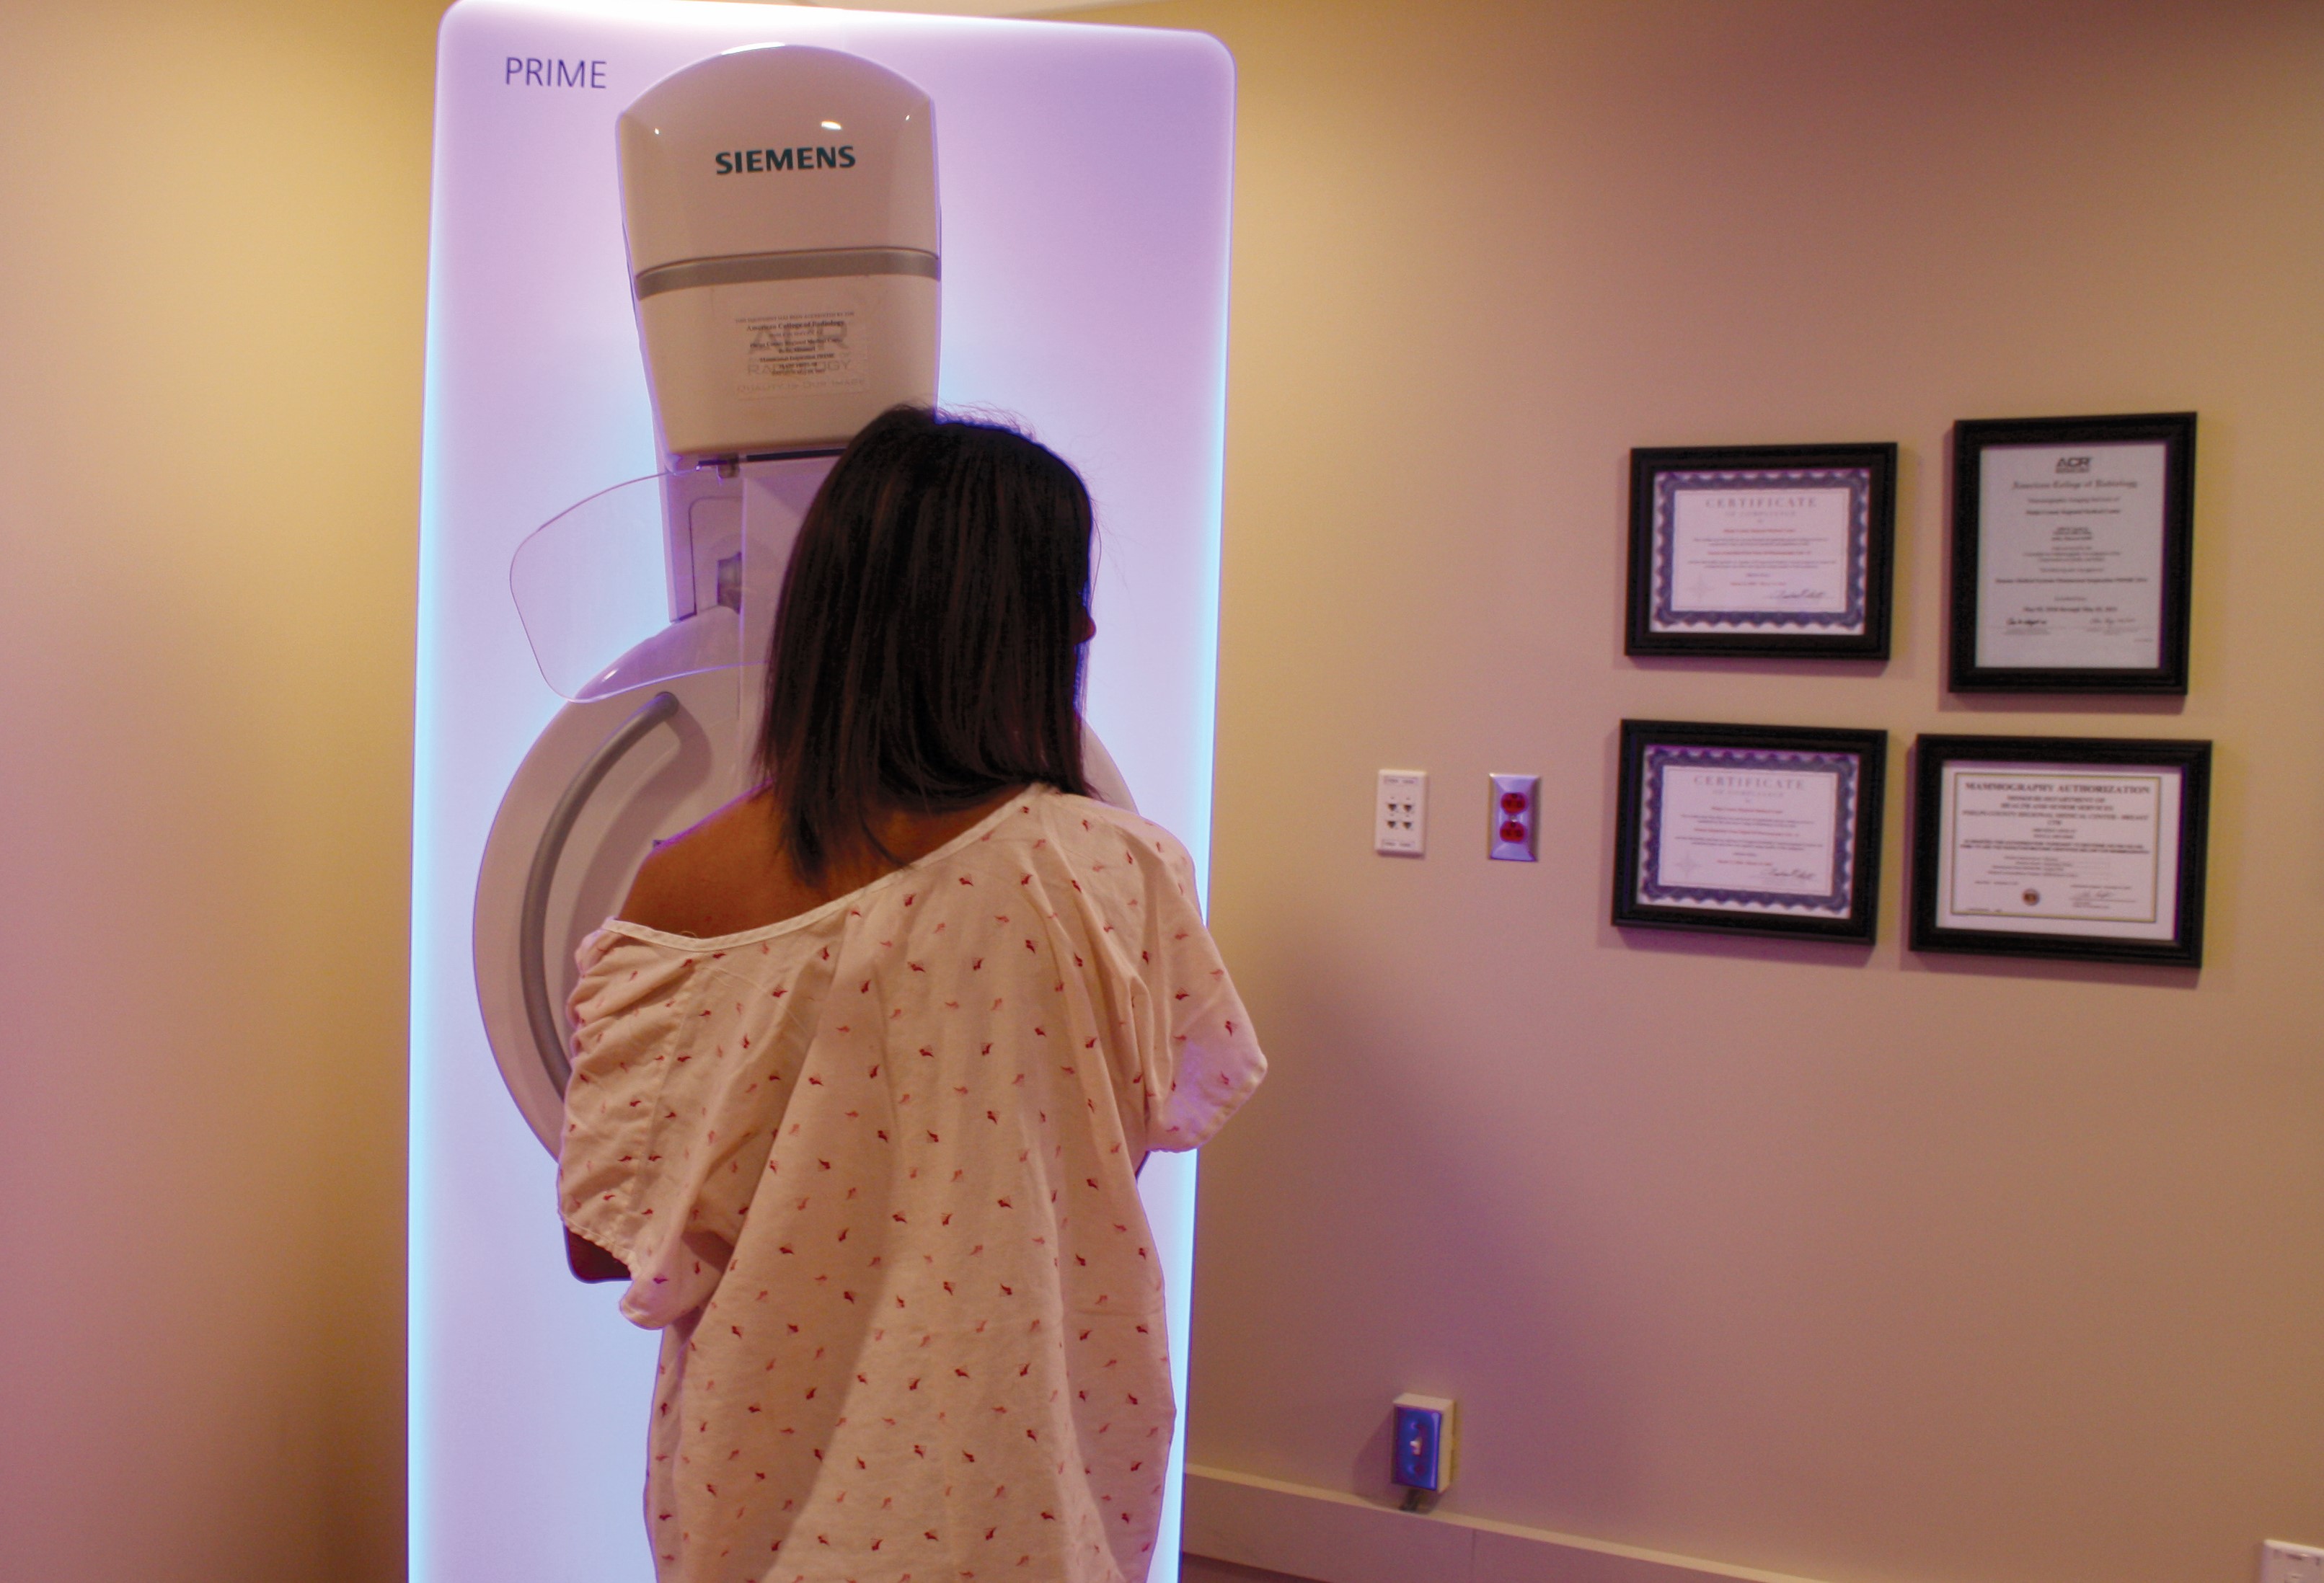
{"type": "Point", "coordinates": [730, 872]}
{"type": "Point", "coordinates": [873, 1167]}
{"type": "Point", "coordinates": [861, 1132]}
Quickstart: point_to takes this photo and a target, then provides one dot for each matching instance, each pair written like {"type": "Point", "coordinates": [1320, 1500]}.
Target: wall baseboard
{"type": "Point", "coordinates": [1335, 1538]}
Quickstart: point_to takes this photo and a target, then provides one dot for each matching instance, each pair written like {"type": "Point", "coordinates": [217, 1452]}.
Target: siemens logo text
{"type": "Point", "coordinates": [741, 162]}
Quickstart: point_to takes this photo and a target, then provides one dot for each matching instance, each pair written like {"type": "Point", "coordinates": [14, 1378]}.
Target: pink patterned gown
{"type": "Point", "coordinates": [915, 1115]}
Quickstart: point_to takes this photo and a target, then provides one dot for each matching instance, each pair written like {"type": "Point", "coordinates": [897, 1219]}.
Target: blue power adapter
{"type": "Point", "coordinates": [1422, 1452]}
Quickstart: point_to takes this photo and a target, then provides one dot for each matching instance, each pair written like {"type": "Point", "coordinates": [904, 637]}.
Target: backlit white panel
{"type": "Point", "coordinates": [1084, 174]}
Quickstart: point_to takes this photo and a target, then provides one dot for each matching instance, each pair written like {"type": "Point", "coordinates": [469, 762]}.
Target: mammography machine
{"type": "Point", "coordinates": [751, 195]}
{"type": "Point", "coordinates": [777, 317]}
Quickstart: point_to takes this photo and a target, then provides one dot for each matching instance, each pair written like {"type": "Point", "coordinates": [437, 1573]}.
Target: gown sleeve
{"type": "Point", "coordinates": [665, 1132]}
{"type": "Point", "coordinates": [1206, 1060]}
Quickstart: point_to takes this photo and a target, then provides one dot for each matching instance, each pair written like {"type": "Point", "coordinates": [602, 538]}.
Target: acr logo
{"type": "Point", "coordinates": [748, 161]}
{"type": "Point", "coordinates": [2073, 464]}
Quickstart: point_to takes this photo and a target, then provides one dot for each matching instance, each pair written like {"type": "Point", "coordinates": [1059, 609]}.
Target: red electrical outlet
{"type": "Point", "coordinates": [1516, 817]}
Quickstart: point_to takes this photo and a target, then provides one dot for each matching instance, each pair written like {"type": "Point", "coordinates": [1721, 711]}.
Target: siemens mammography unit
{"type": "Point", "coordinates": [750, 195]}
{"type": "Point", "coordinates": [780, 207]}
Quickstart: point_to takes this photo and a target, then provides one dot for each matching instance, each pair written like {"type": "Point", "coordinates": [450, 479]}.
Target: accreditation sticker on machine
{"type": "Point", "coordinates": [680, 253]}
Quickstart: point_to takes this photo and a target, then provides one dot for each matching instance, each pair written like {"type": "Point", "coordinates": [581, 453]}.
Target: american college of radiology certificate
{"type": "Point", "coordinates": [1747, 831]}
{"type": "Point", "coordinates": [2059, 849]}
{"type": "Point", "coordinates": [1761, 556]}
{"type": "Point", "coordinates": [2070, 557]}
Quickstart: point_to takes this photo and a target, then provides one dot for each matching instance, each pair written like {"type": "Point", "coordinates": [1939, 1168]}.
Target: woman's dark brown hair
{"type": "Point", "coordinates": [927, 645]}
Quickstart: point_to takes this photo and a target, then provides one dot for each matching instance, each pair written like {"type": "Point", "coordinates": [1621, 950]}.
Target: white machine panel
{"type": "Point", "coordinates": [780, 204]}
{"type": "Point", "coordinates": [1084, 183]}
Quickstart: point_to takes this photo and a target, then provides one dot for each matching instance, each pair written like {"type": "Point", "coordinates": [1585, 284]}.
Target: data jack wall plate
{"type": "Point", "coordinates": [1400, 814]}
{"type": "Point", "coordinates": [2282, 1561]}
{"type": "Point", "coordinates": [1513, 820]}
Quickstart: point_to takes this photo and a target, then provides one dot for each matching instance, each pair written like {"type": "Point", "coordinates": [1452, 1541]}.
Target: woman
{"type": "Point", "coordinates": [865, 1070]}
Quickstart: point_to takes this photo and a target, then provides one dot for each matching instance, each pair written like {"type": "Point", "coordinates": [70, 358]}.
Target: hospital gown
{"type": "Point", "coordinates": [936, 1350]}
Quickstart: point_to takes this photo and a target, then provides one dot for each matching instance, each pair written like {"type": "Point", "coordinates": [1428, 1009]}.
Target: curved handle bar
{"type": "Point", "coordinates": [532, 920]}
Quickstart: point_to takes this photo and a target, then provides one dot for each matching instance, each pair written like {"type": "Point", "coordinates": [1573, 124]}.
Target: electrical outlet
{"type": "Point", "coordinates": [1400, 815]}
{"type": "Point", "coordinates": [1424, 1440]}
{"type": "Point", "coordinates": [1512, 820]}
{"type": "Point", "coordinates": [2282, 1563]}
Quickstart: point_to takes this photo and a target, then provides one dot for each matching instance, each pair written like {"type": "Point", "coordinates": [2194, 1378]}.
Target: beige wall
{"type": "Point", "coordinates": [212, 231]}
{"type": "Point", "coordinates": [1893, 1268]}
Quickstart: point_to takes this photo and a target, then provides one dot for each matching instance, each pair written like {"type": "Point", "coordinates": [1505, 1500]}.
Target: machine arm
{"type": "Point", "coordinates": [532, 921]}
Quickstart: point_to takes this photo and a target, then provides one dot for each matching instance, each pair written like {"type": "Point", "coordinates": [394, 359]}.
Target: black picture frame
{"type": "Point", "coordinates": [1848, 912]}
{"type": "Point", "coordinates": [2106, 760]}
{"type": "Point", "coordinates": [1973, 439]}
{"type": "Point", "coordinates": [1657, 625]}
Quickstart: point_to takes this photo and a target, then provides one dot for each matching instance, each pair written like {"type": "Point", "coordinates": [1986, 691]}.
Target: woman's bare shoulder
{"type": "Point", "coordinates": [721, 877]}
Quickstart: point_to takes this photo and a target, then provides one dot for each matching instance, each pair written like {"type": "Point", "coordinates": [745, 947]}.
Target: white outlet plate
{"type": "Point", "coordinates": [1400, 814]}
{"type": "Point", "coordinates": [2280, 1561]}
{"type": "Point", "coordinates": [1512, 817]}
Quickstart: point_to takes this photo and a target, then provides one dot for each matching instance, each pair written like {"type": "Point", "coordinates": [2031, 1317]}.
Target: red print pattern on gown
{"type": "Point", "coordinates": [914, 1116]}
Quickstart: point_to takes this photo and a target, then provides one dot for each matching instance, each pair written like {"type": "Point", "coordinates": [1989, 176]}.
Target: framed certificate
{"type": "Point", "coordinates": [2072, 540]}
{"type": "Point", "coordinates": [2061, 846]}
{"type": "Point", "coordinates": [1762, 551]}
{"type": "Point", "coordinates": [1765, 830]}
